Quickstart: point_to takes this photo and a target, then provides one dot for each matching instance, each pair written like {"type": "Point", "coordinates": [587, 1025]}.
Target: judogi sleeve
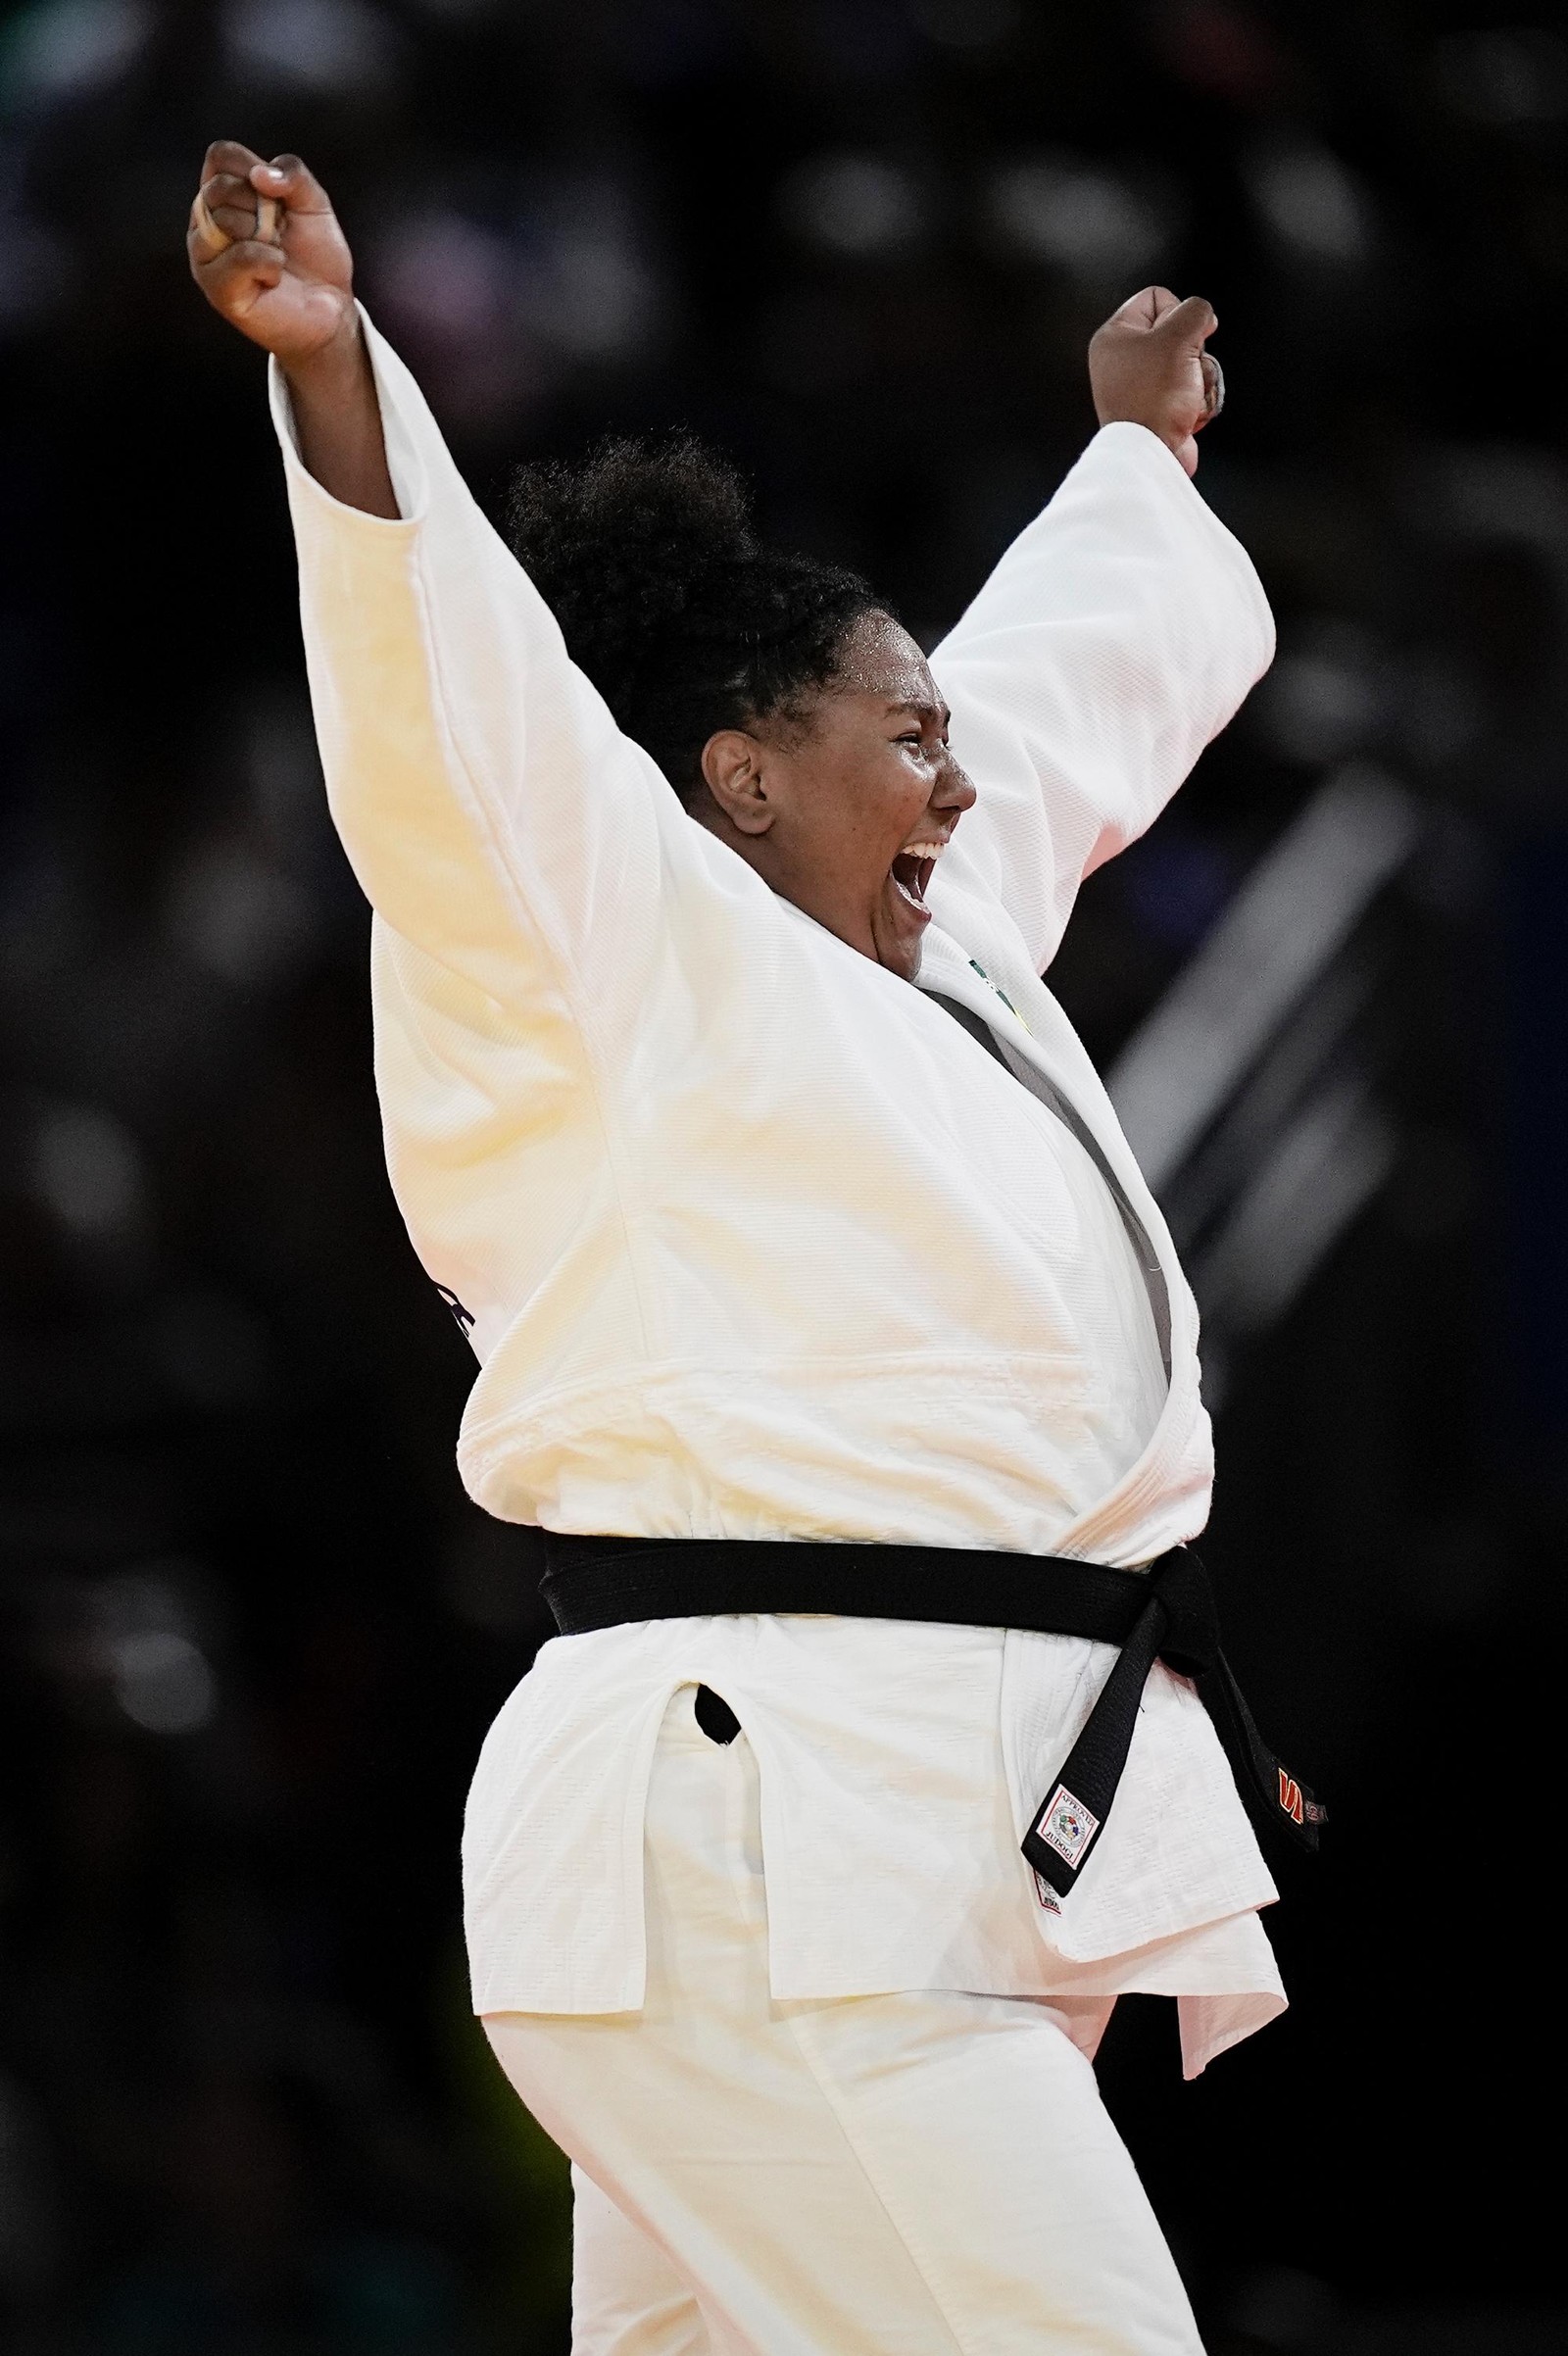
{"type": "Point", "coordinates": [1118, 635]}
{"type": "Point", "coordinates": [494, 813]}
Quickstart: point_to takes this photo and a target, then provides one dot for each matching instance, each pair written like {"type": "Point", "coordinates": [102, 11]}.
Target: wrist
{"type": "Point", "coordinates": [1162, 431]}
{"type": "Point", "coordinates": [333, 368]}
{"type": "Point", "coordinates": [1116, 412]}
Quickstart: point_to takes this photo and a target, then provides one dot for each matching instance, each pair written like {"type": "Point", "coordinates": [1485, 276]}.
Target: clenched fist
{"type": "Point", "coordinates": [290, 290]}
{"type": "Point", "coordinates": [266, 252]}
{"type": "Point", "coordinates": [1148, 367]}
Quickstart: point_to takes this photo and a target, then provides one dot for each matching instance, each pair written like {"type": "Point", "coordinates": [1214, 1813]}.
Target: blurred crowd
{"type": "Point", "coordinates": [251, 1631]}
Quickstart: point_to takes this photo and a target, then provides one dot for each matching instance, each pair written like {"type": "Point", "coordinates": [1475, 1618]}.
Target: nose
{"type": "Point", "coordinates": [954, 789]}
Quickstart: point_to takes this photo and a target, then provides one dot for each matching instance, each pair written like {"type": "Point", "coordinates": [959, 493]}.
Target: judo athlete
{"type": "Point", "coordinates": [824, 1324]}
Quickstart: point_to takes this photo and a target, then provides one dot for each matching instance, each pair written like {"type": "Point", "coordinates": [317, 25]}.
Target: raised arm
{"type": "Point", "coordinates": [1118, 635]}
{"type": "Point", "coordinates": [494, 813]}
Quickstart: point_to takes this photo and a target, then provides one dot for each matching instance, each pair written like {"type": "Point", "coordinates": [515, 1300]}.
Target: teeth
{"type": "Point", "coordinates": [920, 853]}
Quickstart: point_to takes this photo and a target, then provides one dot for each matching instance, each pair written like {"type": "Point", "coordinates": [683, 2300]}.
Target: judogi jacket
{"type": "Point", "coordinates": [757, 1242]}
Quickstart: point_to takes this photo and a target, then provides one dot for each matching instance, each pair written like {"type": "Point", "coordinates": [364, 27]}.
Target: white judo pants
{"type": "Point", "coordinates": [911, 2175]}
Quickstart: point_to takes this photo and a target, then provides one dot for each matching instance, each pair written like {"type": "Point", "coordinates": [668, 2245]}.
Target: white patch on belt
{"type": "Point", "coordinates": [1066, 1826]}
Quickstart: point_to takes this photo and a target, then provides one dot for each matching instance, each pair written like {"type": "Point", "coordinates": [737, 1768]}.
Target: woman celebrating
{"type": "Point", "coordinates": [824, 1322]}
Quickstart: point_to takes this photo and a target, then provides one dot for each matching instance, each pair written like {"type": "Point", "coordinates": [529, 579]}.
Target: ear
{"type": "Point", "coordinates": [732, 766]}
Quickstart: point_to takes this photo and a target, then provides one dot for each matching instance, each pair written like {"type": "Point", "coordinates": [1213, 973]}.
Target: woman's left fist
{"type": "Point", "coordinates": [1148, 367]}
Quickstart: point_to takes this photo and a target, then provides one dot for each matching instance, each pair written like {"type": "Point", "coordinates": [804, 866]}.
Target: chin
{"type": "Point", "coordinates": [898, 936]}
{"type": "Point", "coordinates": [902, 957]}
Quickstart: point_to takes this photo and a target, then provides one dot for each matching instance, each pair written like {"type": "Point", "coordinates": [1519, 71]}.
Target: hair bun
{"type": "Point", "coordinates": [631, 544]}
{"type": "Point", "coordinates": [683, 621]}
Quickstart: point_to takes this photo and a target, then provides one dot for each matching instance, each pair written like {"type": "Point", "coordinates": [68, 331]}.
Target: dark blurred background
{"type": "Point", "coordinates": [252, 1630]}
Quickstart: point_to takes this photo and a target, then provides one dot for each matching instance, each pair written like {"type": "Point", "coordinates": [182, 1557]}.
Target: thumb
{"type": "Point", "coordinates": [1187, 325]}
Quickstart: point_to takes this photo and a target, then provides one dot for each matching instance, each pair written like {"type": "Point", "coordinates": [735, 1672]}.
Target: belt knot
{"type": "Point", "coordinates": [1182, 1587]}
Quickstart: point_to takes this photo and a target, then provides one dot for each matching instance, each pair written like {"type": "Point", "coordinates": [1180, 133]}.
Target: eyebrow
{"type": "Point", "coordinates": [925, 711]}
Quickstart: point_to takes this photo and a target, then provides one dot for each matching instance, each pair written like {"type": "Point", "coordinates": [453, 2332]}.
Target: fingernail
{"type": "Point", "coordinates": [272, 173]}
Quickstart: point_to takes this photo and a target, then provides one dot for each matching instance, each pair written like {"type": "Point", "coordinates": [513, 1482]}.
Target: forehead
{"type": "Point", "coordinates": [881, 659]}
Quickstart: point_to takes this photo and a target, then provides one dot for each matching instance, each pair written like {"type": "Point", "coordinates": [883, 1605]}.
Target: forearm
{"type": "Point", "coordinates": [337, 418]}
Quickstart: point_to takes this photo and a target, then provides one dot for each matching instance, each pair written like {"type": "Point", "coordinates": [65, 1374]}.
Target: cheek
{"type": "Point", "coordinates": [889, 794]}
{"type": "Point", "coordinates": [857, 800]}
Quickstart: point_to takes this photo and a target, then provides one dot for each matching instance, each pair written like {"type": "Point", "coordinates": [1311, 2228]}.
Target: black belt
{"type": "Point", "coordinates": [1164, 1614]}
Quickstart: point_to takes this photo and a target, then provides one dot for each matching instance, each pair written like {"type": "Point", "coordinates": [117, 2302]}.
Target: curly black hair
{"type": "Point", "coordinates": [684, 621]}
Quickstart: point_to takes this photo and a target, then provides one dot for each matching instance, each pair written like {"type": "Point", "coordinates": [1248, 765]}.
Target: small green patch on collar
{"type": "Point", "coordinates": [1002, 993]}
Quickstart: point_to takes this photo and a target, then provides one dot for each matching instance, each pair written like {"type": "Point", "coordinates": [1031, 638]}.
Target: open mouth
{"type": "Point", "coordinates": [912, 872]}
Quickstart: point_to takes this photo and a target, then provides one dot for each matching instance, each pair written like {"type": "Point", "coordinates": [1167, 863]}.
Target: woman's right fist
{"type": "Point", "coordinates": [292, 291]}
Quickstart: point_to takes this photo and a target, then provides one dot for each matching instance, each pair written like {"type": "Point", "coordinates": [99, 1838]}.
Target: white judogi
{"type": "Point", "coordinates": [759, 1243]}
